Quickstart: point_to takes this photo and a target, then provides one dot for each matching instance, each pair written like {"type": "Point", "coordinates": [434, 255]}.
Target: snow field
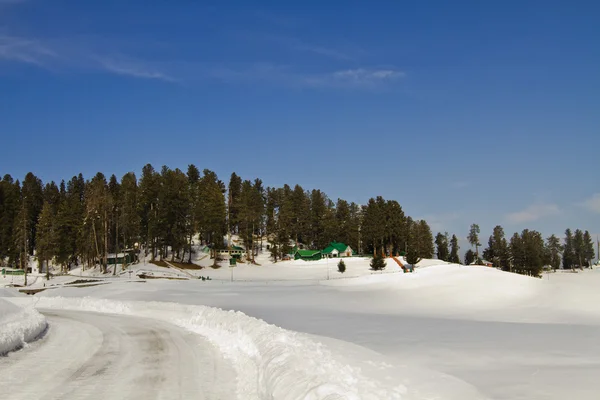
{"type": "Point", "coordinates": [271, 362]}
{"type": "Point", "coordinates": [18, 326]}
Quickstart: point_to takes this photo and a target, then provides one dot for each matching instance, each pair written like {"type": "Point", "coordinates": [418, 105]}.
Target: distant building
{"type": "Point", "coordinates": [336, 249]}
{"type": "Point", "coordinates": [482, 262]}
{"type": "Point", "coordinates": [307, 255]}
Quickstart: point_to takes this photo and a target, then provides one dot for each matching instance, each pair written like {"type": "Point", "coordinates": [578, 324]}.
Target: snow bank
{"type": "Point", "coordinates": [18, 326]}
{"type": "Point", "coordinates": [271, 362]}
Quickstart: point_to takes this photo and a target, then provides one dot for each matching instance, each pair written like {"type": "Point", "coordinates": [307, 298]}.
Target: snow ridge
{"type": "Point", "coordinates": [272, 363]}
{"type": "Point", "coordinates": [18, 326]}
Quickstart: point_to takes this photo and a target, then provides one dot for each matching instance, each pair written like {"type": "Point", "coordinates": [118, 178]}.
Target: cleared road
{"type": "Point", "coordinates": [100, 356]}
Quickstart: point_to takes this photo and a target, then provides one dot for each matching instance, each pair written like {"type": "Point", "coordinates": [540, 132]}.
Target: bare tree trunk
{"type": "Point", "coordinates": [105, 258]}
{"type": "Point", "coordinates": [117, 245]}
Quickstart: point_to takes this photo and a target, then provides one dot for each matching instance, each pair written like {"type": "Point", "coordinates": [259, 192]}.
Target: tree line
{"type": "Point", "coordinates": [81, 221]}
{"type": "Point", "coordinates": [524, 253]}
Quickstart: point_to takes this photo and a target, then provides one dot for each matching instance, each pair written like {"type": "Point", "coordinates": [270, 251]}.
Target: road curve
{"type": "Point", "coordinates": [101, 356]}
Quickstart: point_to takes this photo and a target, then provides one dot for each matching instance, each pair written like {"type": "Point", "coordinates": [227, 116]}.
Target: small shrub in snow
{"type": "Point", "coordinates": [342, 266]}
{"type": "Point", "coordinates": [378, 263]}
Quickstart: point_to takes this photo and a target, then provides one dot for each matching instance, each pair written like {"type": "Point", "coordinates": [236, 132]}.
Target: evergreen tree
{"type": "Point", "coordinates": [470, 257]}
{"type": "Point", "coordinates": [534, 250]}
{"type": "Point", "coordinates": [129, 219]}
{"type": "Point", "coordinates": [21, 237]}
{"type": "Point", "coordinates": [396, 236]}
{"type": "Point", "coordinates": [454, 248]}
{"type": "Point", "coordinates": [554, 249]}
{"type": "Point", "coordinates": [588, 253]}
{"type": "Point", "coordinates": [234, 192]}
{"type": "Point", "coordinates": [426, 249]}
{"type": "Point", "coordinates": [441, 243]}
{"type": "Point", "coordinates": [373, 226]}
{"type": "Point", "coordinates": [148, 208]}
{"type": "Point", "coordinates": [342, 266]}
{"type": "Point", "coordinates": [413, 254]}
{"type": "Point", "coordinates": [212, 220]}
{"type": "Point", "coordinates": [46, 238]}
{"type": "Point", "coordinates": [378, 262]}
{"type": "Point", "coordinates": [33, 200]}
{"type": "Point", "coordinates": [569, 251]}
{"type": "Point", "coordinates": [497, 251]}
{"type": "Point", "coordinates": [517, 254]}
{"type": "Point", "coordinates": [10, 193]}
{"type": "Point", "coordinates": [474, 238]}
{"type": "Point", "coordinates": [97, 216]}
{"type": "Point", "coordinates": [579, 248]}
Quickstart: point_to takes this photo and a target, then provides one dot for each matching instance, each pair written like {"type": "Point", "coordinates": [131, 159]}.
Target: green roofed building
{"type": "Point", "coordinates": [307, 255]}
{"type": "Point", "coordinates": [336, 249]}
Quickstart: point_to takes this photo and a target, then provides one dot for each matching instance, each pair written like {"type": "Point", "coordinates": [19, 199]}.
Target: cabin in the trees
{"type": "Point", "coordinates": [307, 255]}
{"type": "Point", "coordinates": [483, 262]}
{"type": "Point", "coordinates": [233, 251]}
{"type": "Point", "coordinates": [336, 249]}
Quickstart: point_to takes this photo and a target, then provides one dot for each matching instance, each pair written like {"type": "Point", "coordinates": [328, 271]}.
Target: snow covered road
{"type": "Point", "coordinates": [100, 356]}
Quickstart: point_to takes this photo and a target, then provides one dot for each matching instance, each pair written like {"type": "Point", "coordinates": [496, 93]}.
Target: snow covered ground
{"type": "Point", "coordinates": [445, 331]}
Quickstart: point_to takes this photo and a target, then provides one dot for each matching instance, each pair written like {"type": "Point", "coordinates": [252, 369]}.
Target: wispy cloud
{"type": "Point", "coordinates": [592, 204]}
{"type": "Point", "coordinates": [534, 212]}
{"type": "Point", "coordinates": [357, 78]}
{"type": "Point", "coordinates": [30, 51]}
{"type": "Point", "coordinates": [287, 76]}
{"type": "Point", "coordinates": [134, 69]}
{"type": "Point", "coordinates": [71, 56]}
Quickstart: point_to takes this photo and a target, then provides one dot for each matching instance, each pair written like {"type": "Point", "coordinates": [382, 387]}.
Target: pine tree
{"type": "Point", "coordinates": [554, 249]}
{"type": "Point", "coordinates": [395, 227]}
{"type": "Point", "coordinates": [234, 192]}
{"type": "Point", "coordinates": [426, 249]}
{"type": "Point", "coordinates": [474, 238]}
{"type": "Point", "coordinates": [378, 262]}
{"type": "Point", "coordinates": [569, 251]}
{"type": "Point", "coordinates": [579, 248]}
{"type": "Point", "coordinates": [454, 248]}
{"type": "Point", "coordinates": [129, 219]}
{"type": "Point", "coordinates": [534, 250]}
{"type": "Point", "coordinates": [589, 252]}
{"type": "Point", "coordinates": [46, 237]}
{"type": "Point", "coordinates": [213, 213]}
{"type": "Point", "coordinates": [97, 216]}
{"type": "Point", "coordinates": [373, 226]}
{"type": "Point", "coordinates": [470, 257]}
{"type": "Point", "coordinates": [517, 254]}
{"type": "Point", "coordinates": [148, 208]}
{"type": "Point", "coordinates": [441, 242]}
{"type": "Point", "coordinates": [497, 251]}
{"type": "Point", "coordinates": [10, 193]}
{"type": "Point", "coordinates": [33, 201]}
{"type": "Point", "coordinates": [342, 266]}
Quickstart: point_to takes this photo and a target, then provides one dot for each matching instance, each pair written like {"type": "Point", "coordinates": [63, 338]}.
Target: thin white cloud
{"type": "Point", "coordinates": [356, 78]}
{"type": "Point", "coordinates": [134, 69]}
{"type": "Point", "coordinates": [286, 76]}
{"type": "Point", "coordinates": [592, 204]}
{"type": "Point", "coordinates": [534, 212]}
{"type": "Point", "coordinates": [365, 75]}
{"type": "Point", "coordinates": [14, 48]}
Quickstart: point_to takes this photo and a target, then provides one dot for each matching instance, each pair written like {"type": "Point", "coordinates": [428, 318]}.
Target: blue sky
{"type": "Point", "coordinates": [463, 111]}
